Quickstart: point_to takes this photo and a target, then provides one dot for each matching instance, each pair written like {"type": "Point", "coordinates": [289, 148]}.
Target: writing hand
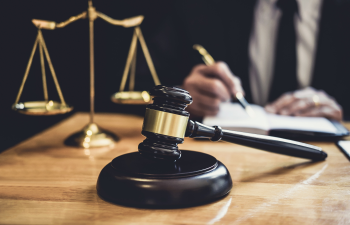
{"type": "Point", "coordinates": [210, 85]}
{"type": "Point", "coordinates": [306, 102]}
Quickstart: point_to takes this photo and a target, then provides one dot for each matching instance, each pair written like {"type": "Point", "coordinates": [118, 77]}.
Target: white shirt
{"type": "Point", "coordinates": [263, 39]}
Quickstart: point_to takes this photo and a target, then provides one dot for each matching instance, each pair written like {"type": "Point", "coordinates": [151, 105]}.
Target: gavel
{"type": "Point", "coordinates": [166, 124]}
{"type": "Point", "coordinates": [162, 176]}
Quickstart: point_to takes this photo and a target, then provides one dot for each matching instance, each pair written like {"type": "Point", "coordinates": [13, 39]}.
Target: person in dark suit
{"type": "Point", "coordinates": [288, 55]}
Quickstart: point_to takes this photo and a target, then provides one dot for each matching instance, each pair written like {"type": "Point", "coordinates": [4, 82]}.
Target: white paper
{"type": "Point", "coordinates": [345, 145]}
{"type": "Point", "coordinates": [232, 116]}
{"type": "Point", "coordinates": [315, 124]}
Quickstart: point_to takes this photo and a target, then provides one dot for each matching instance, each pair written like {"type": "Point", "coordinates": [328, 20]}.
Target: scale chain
{"type": "Point", "coordinates": [46, 96]}
{"type": "Point", "coordinates": [128, 61]}
{"type": "Point", "coordinates": [41, 38]}
{"type": "Point", "coordinates": [27, 69]}
{"type": "Point", "coordinates": [133, 71]}
{"type": "Point", "coordinates": [147, 56]}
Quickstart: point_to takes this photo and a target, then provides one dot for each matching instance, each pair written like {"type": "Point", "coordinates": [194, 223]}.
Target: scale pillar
{"type": "Point", "coordinates": [92, 135]}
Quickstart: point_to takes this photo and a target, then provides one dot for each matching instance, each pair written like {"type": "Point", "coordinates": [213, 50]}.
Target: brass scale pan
{"type": "Point", "coordinates": [38, 108]}
{"type": "Point", "coordinates": [50, 107]}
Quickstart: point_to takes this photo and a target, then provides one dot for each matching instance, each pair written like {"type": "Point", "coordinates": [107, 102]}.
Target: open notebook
{"type": "Point", "coordinates": [232, 116]}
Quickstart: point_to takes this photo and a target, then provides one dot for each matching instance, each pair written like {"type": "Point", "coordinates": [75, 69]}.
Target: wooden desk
{"type": "Point", "coordinates": [42, 181]}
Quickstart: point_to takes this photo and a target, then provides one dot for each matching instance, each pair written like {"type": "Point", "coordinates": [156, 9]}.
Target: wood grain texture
{"type": "Point", "coordinates": [43, 182]}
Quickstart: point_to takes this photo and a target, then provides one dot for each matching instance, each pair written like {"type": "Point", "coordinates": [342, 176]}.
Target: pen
{"type": "Point", "coordinates": [208, 60]}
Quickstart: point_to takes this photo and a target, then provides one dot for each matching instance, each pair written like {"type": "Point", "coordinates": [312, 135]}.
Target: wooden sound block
{"type": "Point", "coordinates": [133, 180]}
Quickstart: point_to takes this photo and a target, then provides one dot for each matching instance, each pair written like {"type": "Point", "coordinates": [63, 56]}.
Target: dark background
{"type": "Point", "coordinates": [167, 29]}
{"type": "Point", "coordinates": [69, 51]}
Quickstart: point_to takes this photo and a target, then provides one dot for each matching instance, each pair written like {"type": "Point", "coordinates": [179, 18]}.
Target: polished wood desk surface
{"type": "Point", "coordinates": [42, 181]}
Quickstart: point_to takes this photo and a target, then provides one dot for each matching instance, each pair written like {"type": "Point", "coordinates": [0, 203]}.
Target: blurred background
{"type": "Point", "coordinates": [69, 51]}
{"type": "Point", "coordinates": [170, 29]}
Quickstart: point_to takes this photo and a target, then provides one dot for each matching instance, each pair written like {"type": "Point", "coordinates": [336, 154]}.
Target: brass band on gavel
{"type": "Point", "coordinates": [165, 123]}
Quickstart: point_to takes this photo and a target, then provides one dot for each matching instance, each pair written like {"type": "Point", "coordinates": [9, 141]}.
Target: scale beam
{"type": "Point", "coordinates": [51, 25]}
{"type": "Point", "coordinates": [129, 22]}
{"type": "Point", "coordinates": [91, 135]}
{"type": "Point", "coordinates": [93, 14]}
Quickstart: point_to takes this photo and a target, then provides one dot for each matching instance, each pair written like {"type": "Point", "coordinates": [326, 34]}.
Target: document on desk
{"type": "Point", "coordinates": [233, 117]}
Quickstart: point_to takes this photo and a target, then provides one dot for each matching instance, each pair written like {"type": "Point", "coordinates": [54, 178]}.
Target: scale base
{"type": "Point", "coordinates": [133, 180]}
{"type": "Point", "coordinates": [91, 136]}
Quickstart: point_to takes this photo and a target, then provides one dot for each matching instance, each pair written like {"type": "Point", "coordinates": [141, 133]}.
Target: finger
{"type": "Point", "coordinates": [305, 93]}
{"type": "Point", "coordinates": [223, 72]}
{"type": "Point", "coordinates": [323, 111]}
{"type": "Point", "coordinates": [297, 106]}
{"type": "Point", "coordinates": [207, 86]}
{"type": "Point", "coordinates": [299, 100]}
{"type": "Point", "coordinates": [200, 106]}
{"type": "Point", "coordinates": [281, 103]}
{"type": "Point", "coordinates": [200, 112]}
{"type": "Point", "coordinates": [203, 105]}
{"type": "Point", "coordinates": [328, 108]}
{"type": "Point", "coordinates": [205, 101]}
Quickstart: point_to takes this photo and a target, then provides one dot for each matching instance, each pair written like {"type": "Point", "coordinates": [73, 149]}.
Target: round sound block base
{"type": "Point", "coordinates": [133, 180]}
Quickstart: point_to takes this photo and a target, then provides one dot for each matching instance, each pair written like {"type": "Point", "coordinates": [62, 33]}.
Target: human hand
{"type": "Point", "coordinates": [210, 85]}
{"type": "Point", "coordinates": [306, 102]}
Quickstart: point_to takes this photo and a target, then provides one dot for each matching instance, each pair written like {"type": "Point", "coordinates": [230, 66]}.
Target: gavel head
{"type": "Point", "coordinates": [165, 123]}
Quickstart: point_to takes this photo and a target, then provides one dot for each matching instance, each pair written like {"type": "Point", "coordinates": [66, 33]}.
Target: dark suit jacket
{"type": "Point", "coordinates": [223, 27]}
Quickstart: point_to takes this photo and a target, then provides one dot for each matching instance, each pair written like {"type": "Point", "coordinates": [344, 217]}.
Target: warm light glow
{"type": "Point", "coordinates": [316, 100]}
{"type": "Point", "coordinates": [145, 96]}
{"type": "Point", "coordinates": [20, 106]}
{"type": "Point", "coordinates": [86, 151]}
{"type": "Point", "coordinates": [239, 95]}
{"type": "Point", "coordinates": [87, 139]}
{"type": "Point", "coordinates": [89, 132]}
{"type": "Point", "coordinates": [86, 145]}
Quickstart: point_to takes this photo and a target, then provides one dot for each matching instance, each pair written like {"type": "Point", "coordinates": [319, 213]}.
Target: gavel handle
{"type": "Point", "coordinates": [263, 142]}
